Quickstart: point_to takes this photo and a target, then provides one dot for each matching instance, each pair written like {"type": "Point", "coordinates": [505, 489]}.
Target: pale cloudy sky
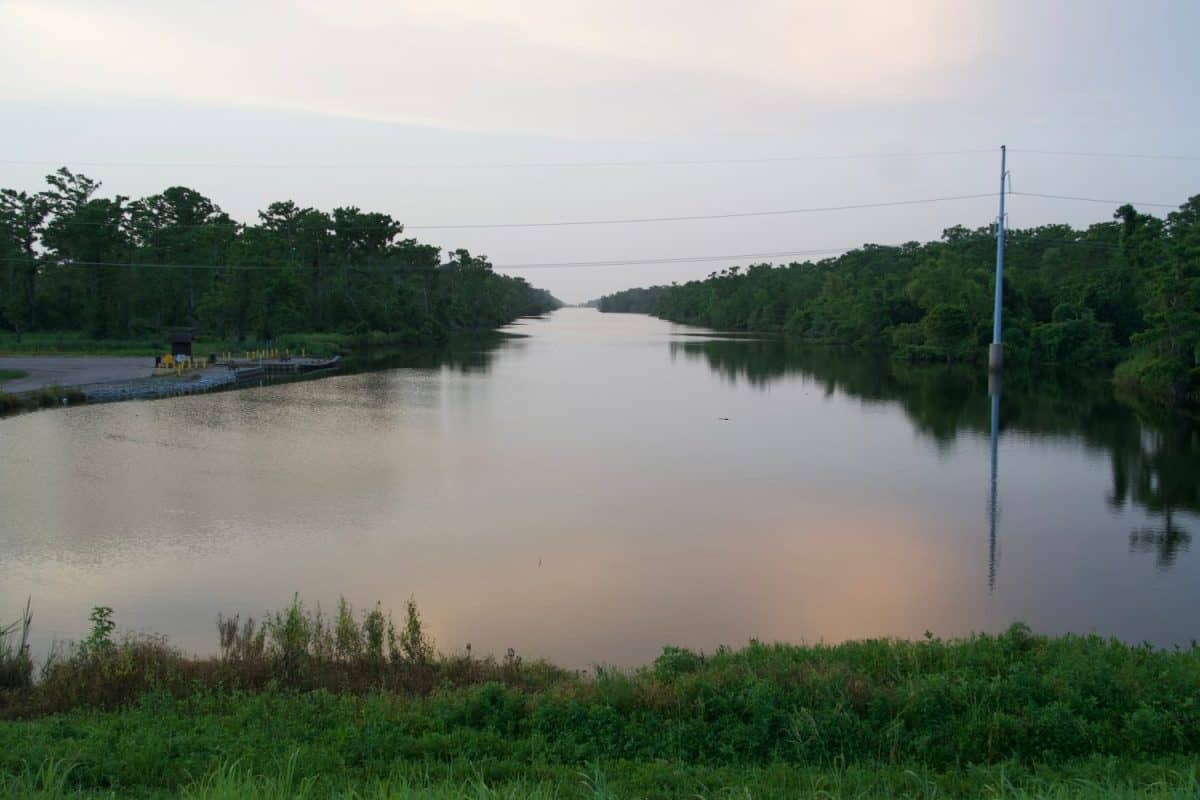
{"type": "Point", "coordinates": [433, 112]}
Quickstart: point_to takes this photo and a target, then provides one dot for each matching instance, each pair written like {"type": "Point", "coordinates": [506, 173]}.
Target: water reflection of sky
{"type": "Point", "coordinates": [842, 497]}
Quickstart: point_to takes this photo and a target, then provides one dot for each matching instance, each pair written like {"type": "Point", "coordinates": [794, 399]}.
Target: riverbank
{"type": "Point", "coordinates": [76, 344]}
{"type": "Point", "coordinates": [321, 705]}
{"type": "Point", "coordinates": [29, 382]}
{"type": "Point", "coordinates": [50, 381]}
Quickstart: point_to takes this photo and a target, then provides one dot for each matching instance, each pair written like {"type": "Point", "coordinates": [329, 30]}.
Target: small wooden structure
{"type": "Point", "coordinates": [181, 344]}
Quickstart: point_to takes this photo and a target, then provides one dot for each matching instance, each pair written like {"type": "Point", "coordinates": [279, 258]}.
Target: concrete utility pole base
{"type": "Point", "coordinates": [995, 357]}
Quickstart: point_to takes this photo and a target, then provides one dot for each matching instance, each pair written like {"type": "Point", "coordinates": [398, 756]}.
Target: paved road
{"type": "Point", "coordinates": [72, 370]}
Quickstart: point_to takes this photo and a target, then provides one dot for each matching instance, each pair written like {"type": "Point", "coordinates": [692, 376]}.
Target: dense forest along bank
{"type": "Point", "coordinates": [1124, 293]}
{"type": "Point", "coordinates": [80, 273]}
{"type": "Point", "coordinates": [721, 487]}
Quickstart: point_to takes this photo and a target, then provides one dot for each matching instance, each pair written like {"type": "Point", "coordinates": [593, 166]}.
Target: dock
{"type": "Point", "coordinates": [280, 365]}
{"type": "Point", "coordinates": [220, 374]}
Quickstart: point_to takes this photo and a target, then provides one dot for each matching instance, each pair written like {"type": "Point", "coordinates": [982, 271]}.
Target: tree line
{"type": "Point", "coordinates": [112, 267]}
{"type": "Point", "coordinates": [1123, 293]}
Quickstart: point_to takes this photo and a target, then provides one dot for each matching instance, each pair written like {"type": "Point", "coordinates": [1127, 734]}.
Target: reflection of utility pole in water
{"type": "Point", "coordinates": [994, 391]}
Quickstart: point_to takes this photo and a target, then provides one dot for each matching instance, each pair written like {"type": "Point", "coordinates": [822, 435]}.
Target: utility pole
{"type": "Point", "coordinates": [996, 351]}
{"type": "Point", "coordinates": [995, 363]}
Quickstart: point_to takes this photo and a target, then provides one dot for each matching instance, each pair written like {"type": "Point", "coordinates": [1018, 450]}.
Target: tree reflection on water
{"type": "Point", "coordinates": [1154, 455]}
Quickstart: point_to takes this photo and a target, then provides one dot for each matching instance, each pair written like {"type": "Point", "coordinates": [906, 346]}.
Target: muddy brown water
{"type": "Point", "coordinates": [608, 484]}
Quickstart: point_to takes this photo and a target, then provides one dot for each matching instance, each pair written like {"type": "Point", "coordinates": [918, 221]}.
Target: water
{"type": "Point", "coordinates": [608, 484]}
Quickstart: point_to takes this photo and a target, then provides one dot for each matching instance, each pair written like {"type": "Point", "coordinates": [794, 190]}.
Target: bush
{"type": "Point", "coordinates": [16, 667]}
{"type": "Point", "coordinates": [1073, 337]}
{"type": "Point", "coordinates": [297, 648]}
{"type": "Point", "coordinates": [985, 699]}
{"type": "Point", "coordinates": [1159, 378]}
{"type": "Point", "coordinates": [45, 397]}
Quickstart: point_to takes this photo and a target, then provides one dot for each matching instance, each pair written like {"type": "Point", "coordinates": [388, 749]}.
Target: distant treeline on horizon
{"type": "Point", "coordinates": [119, 268]}
{"type": "Point", "coordinates": [1124, 293]}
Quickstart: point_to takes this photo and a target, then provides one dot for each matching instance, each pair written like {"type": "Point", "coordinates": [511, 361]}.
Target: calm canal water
{"type": "Point", "coordinates": [608, 484]}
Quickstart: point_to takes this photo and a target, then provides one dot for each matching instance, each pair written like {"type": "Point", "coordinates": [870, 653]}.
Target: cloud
{"type": "Point", "coordinates": [858, 48]}
{"type": "Point", "coordinates": [583, 69]}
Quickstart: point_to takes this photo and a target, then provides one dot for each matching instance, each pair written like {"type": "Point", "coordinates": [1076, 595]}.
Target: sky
{"type": "Point", "coordinates": [467, 112]}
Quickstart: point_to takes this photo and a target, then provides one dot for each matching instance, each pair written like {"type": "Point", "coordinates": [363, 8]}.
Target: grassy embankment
{"type": "Point", "coordinates": [74, 343]}
{"type": "Point", "coordinates": [306, 705]}
{"type": "Point", "coordinates": [46, 397]}
{"type": "Point", "coordinates": [11, 374]}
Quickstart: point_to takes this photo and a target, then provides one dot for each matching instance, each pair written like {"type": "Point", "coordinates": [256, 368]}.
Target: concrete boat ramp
{"type": "Point", "coordinates": [72, 370]}
{"type": "Point", "coordinates": [107, 380]}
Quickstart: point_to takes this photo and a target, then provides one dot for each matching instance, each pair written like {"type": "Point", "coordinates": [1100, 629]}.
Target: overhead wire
{"type": "Point", "coordinates": [633, 162]}
{"type": "Point", "coordinates": [682, 217]}
{"type": "Point", "coordinates": [1093, 200]}
{"type": "Point", "coordinates": [644, 162]}
{"type": "Point", "coordinates": [621, 220]}
{"type": "Point", "coordinates": [1097, 154]}
{"type": "Point", "coordinates": [535, 265]}
{"type": "Point", "coordinates": [615, 221]}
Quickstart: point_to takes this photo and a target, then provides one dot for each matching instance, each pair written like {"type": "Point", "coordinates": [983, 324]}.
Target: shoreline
{"type": "Point", "coordinates": [354, 700]}
{"type": "Point", "coordinates": [54, 380]}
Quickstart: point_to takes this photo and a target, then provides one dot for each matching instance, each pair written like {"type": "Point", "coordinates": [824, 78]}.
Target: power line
{"type": "Point", "coordinates": [1093, 200]}
{"type": "Point", "coordinates": [428, 268]}
{"type": "Point", "coordinates": [647, 162]}
{"type": "Point", "coordinates": [1086, 154]}
{"type": "Point", "coordinates": [677, 218]}
{"type": "Point", "coordinates": [699, 217]}
{"type": "Point", "coordinates": [677, 259]}
{"type": "Point", "coordinates": [620, 220]}
{"type": "Point", "coordinates": [1015, 242]}
{"type": "Point", "coordinates": [598, 163]}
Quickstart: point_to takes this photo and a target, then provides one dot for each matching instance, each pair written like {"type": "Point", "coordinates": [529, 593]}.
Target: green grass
{"type": "Point", "coordinates": [12, 374]}
{"type": "Point", "coordinates": [46, 397]}
{"type": "Point", "coordinates": [74, 343]}
{"type": "Point", "coordinates": [352, 705]}
{"type": "Point", "coordinates": [289, 776]}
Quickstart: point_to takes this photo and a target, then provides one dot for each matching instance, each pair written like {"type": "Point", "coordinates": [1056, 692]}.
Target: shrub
{"type": "Point", "coordinates": [16, 667]}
